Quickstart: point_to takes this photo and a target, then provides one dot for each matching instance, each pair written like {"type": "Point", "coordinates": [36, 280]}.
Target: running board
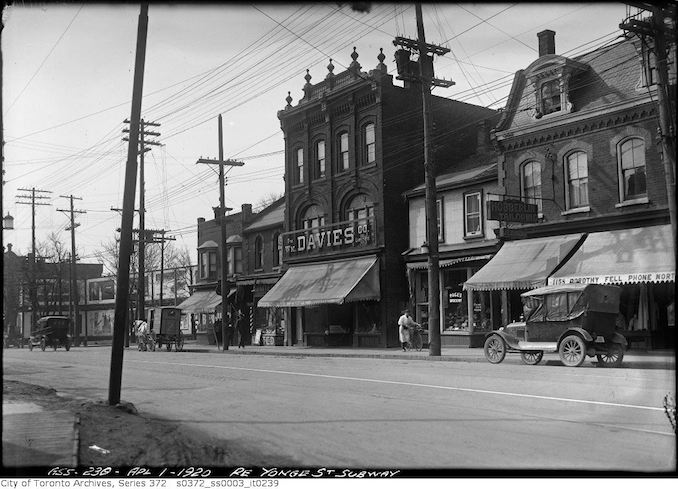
{"type": "Point", "coordinates": [537, 346]}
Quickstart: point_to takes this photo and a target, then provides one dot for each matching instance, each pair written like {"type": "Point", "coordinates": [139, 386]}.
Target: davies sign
{"type": "Point", "coordinates": [328, 238]}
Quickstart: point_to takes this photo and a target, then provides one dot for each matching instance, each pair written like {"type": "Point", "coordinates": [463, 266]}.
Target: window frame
{"type": "Point", "coordinates": [299, 166]}
{"type": "Point", "coordinates": [554, 82]}
{"type": "Point", "coordinates": [259, 252]}
{"type": "Point", "coordinates": [538, 195]}
{"type": "Point", "coordinates": [623, 197]}
{"type": "Point", "coordinates": [320, 164]}
{"type": "Point", "coordinates": [567, 160]}
{"type": "Point", "coordinates": [343, 156]}
{"type": "Point", "coordinates": [369, 147]}
{"type": "Point", "coordinates": [277, 250]}
{"type": "Point", "coordinates": [481, 228]}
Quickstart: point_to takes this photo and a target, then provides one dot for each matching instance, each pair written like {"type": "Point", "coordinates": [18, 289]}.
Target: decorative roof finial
{"type": "Point", "coordinates": [289, 99]}
{"type": "Point", "coordinates": [381, 57]}
{"type": "Point", "coordinates": [330, 68]}
{"type": "Point", "coordinates": [308, 77]}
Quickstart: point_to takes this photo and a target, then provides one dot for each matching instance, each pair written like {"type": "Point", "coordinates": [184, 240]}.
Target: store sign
{"type": "Point", "coordinates": [454, 297]}
{"type": "Point", "coordinates": [619, 278]}
{"type": "Point", "coordinates": [512, 211]}
{"type": "Point", "coordinates": [329, 238]}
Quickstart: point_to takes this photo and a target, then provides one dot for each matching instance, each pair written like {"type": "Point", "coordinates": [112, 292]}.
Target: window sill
{"type": "Point", "coordinates": [576, 210]}
{"type": "Point", "coordinates": [626, 203]}
{"type": "Point", "coordinates": [472, 237]}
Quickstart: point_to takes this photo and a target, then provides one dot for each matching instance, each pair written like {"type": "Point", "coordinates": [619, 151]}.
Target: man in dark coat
{"type": "Point", "coordinates": [243, 329]}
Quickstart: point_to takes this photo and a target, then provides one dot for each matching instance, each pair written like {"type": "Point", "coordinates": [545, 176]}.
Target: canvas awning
{"type": "Point", "coordinates": [626, 256]}
{"type": "Point", "coordinates": [523, 264]}
{"type": "Point", "coordinates": [202, 301]}
{"type": "Point", "coordinates": [334, 282]}
{"type": "Point", "coordinates": [447, 262]}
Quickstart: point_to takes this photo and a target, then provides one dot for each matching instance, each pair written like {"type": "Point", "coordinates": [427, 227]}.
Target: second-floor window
{"type": "Point", "coordinates": [313, 218]}
{"type": "Point", "coordinates": [473, 214]}
{"type": "Point", "coordinates": [550, 97]}
{"type": "Point", "coordinates": [343, 160]}
{"type": "Point", "coordinates": [577, 180]}
{"type": "Point", "coordinates": [360, 207]}
{"type": "Point", "coordinates": [631, 160]}
{"type": "Point", "coordinates": [299, 165]}
{"type": "Point", "coordinates": [319, 170]}
{"type": "Point", "coordinates": [208, 265]}
{"type": "Point", "coordinates": [530, 183]}
{"type": "Point", "coordinates": [235, 260]}
{"type": "Point", "coordinates": [259, 252]}
{"type": "Point", "coordinates": [277, 250]}
{"type": "Point", "coordinates": [369, 150]}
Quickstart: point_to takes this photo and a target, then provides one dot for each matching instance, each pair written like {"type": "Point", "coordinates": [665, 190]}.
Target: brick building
{"type": "Point", "coordinates": [353, 145]}
{"type": "Point", "coordinates": [578, 141]}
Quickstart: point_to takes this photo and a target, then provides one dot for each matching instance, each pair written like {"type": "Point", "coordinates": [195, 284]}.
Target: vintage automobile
{"type": "Point", "coordinates": [165, 324]}
{"type": "Point", "coordinates": [575, 320]}
{"type": "Point", "coordinates": [50, 331]}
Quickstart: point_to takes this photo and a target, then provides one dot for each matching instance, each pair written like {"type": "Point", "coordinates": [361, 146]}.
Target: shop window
{"type": "Point", "coordinates": [319, 170]}
{"type": "Point", "coordinates": [299, 166]}
{"type": "Point", "coordinates": [577, 180]}
{"type": "Point", "coordinates": [530, 181]}
{"type": "Point", "coordinates": [631, 163]}
{"type": "Point", "coordinates": [473, 218]}
{"type": "Point", "coordinates": [259, 252]}
{"type": "Point", "coordinates": [343, 162]}
{"type": "Point", "coordinates": [369, 149]}
{"type": "Point", "coordinates": [455, 300]}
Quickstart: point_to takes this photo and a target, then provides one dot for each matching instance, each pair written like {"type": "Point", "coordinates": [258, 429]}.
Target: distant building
{"type": "Point", "coordinates": [578, 141]}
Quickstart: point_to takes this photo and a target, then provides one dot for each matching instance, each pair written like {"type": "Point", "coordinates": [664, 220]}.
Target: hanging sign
{"type": "Point", "coordinates": [512, 211]}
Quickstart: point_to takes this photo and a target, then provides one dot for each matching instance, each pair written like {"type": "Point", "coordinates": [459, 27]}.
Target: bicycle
{"type": "Point", "coordinates": [416, 341]}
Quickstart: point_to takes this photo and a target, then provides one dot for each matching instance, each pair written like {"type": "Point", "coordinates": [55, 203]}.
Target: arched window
{"type": "Point", "coordinates": [530, 183]}
{"type": "Point", "coordinates": [259, 252]}
{"type": "Point", "coordinates": [319, 165]}
{"type": "Point", "coordinates": [277, 249]}
{"type": "Point", "coordinates": [631, 161]}
{"type": "Point", "coordinates": [313, 217]}
{"type": "Point", "coordinates": [343, 161]}
{"type": "Point", "coordinates": [369, 145]}
{"type": "Point", "coordinates": [360, 207]}
{"type": "Point", "coordinates": [577, 180]}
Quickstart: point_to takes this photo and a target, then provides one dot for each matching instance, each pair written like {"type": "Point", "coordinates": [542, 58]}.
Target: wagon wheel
{"type": "Point", "coordinates": [43, 344]}
{"type": "Point", "coordinates": [612, 357]}
{"type": "Point", "coordinates": [180, 342]}
{"type": "Point", "coordinates": [169, 344]}
{"type": "Point", "coordinates": [152, 345]}
{"type": "Point", "coordinates": [572, 351]}
{"type": "Point", "coordinates": [67, 345]}
{"type": "Point", "coordinates": [139, 345]}
{"type": "Point", "coordinates": [55, 344]}
{"type": "Point", "coordinates": [495, 349]}
{"type": "Point", "coordinates": [531, 357]}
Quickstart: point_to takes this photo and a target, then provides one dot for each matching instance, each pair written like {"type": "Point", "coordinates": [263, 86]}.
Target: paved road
{"type": "Point", "coordinates": [391, 413]}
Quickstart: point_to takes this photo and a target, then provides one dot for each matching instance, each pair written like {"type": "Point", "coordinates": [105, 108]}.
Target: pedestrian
{"type": "Point", "coordinates": [229, 331]}
{"type": "Point", "coordinates": [405, 322]}
{"type": "Point", "coordinates": [217, 332]}
{"type": "Point", "coordinates": [243, 329]}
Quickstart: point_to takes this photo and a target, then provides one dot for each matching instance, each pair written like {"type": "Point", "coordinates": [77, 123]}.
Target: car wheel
{"type": "Point", "coordinates": [495, 349]}
{"type": "Point", "coordinates": [531, 357]}
{"type": "Point", "coordinates": [43, 344]}
{"type": "Point", "coordinates": [612, 357]}
{"type": "Point", "coordinates": [572, 351]}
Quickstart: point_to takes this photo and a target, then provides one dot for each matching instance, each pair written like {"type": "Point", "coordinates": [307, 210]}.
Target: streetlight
{"type": "Point", "coordinates": [8, 222]}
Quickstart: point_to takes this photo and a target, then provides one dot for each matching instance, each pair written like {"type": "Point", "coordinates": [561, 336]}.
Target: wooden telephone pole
{"type": "Point", "coordinates": [122, 283]}
{"type": "Point", "coordinates": [75, 316]}
{"type": "Point", "coordinates": [424, 76]}
{"type": "Point", "coordinates": [222, 220]}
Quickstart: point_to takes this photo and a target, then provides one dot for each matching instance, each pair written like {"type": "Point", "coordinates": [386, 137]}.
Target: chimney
{"type": "Point", "coordinates": [547, 42]}
{"type": "Point", "coordinates": [246, 212]}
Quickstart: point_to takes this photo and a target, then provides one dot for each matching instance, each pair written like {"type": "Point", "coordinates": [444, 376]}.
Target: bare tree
{"type": "Point", "coordinates": [267, 200]}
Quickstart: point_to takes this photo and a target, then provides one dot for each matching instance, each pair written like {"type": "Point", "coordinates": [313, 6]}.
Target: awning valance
{"type": "Point", "coordinates": [523, 264]}
{"type": "Point", "coordinates": [625, 256]}
{"type": "Point", "coordinates": [334, 282]}
{"type": "Point", "coordinates": [448, 262]}
{"type": "Point", "coordinates": [202, 301]}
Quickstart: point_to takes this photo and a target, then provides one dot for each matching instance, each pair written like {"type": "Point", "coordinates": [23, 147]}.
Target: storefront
{"type": "Point", "coordinates": [331, 303]}
{"type": "Point", "coordinates": [203, 307]}
{"type": "Point", "coordinates": [517, 267]}
{"type": "Point", "coordinates": [642, 262]}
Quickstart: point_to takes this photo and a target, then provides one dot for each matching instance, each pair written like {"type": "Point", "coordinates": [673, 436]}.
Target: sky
{"type": "Point", "coordinates": [67, 88]}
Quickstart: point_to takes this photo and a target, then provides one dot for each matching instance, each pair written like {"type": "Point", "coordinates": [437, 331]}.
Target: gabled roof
{"type": "Point", "coordinates": [271, 216]}
{"type": "Point", "coordinates": [459, 178]}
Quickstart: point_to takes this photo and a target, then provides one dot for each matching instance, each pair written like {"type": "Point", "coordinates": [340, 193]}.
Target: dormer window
{"type": "Point", "coordinates": [550, 97]}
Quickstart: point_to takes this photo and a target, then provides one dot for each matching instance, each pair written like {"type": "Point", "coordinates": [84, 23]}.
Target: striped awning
{"type": "Point", "coordinates": [448, 262]}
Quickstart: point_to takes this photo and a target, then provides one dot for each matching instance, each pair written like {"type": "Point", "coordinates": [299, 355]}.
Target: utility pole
{"type": "Point", "coordinates": [31, 265]}
{"type": "Point", "coordinates": [655, 28]}
{"type": "Point", "coordinates": [122, 282]}
{"type": "Point", "coordinates": [222, 220]}
{"type": "Point", "coordinates": [74, 277]}
{"type": "Point", "coordinates": [141, 287]}
{"type": "Point", "coordinates": [151, 238]}
{"type": "Point", "coordinates": [424, 76]}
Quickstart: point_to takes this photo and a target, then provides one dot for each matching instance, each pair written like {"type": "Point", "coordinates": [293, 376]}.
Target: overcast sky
{"type": "Point", "coordinates": [67, 88]}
